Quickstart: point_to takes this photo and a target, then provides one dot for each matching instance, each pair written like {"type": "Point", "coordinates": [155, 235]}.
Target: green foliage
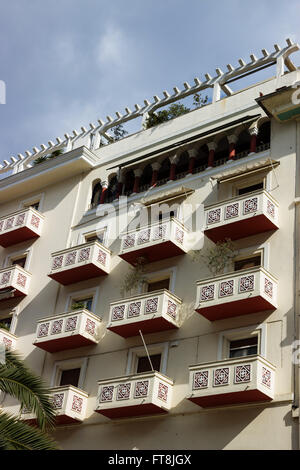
{"type": "Point", "coordinates": [134, 277]}
{"type": "Point", "coordinates": [198, 101]}
{"type": "Point", "coordinates": [118, 132]}
{"type": "Point", "coordinates": [44, 158]}
{"type": "Point", "coordinates": [218, 257]}
{"type": "Point", "coordinates": [29, 389]}
{"type": "Point", "coordinates": [77, 306]}
{"type": "Point", "coordinates": [4, 326]}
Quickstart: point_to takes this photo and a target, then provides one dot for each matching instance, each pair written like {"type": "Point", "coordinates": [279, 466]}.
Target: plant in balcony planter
{"type": "Point", "coordinates": [77, 306]}
{"type": "Point", "coordinates": [4, 326]}
{"type": "Point", "coordinates": [134, 278]}
{"type": "Point", "coordinates": [218, 257]}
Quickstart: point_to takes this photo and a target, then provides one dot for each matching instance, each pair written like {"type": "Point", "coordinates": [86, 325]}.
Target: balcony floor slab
{"type": "Point", "coordinates": [153, 253]}
{"type": "Point", "coordinates": [77, 274]}
{"type": "Point", "coordinates": [146, 326]}
{"type": "Point", "coordinates": [132, 411]}
{"type": "Point", "coordinates": [234, 398]}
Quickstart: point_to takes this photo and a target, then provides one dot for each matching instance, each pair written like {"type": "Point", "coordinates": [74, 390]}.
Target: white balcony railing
{"type": "Point", "coordinates": [67, 331]}
{"type": "Point", "coordinates": [14, 282]}
{"type": "Point", "coordinates": [135, 395]}
{"type": "Point", "coordinates": [69, 403]}
{"type": "Point", "coordinates": [150, 312]}
{"type": "Point", "coordinates": [236, 293]}
{"type": "Point", "coordinates": [157, 241]}
{"type": "Point", "coordinates": [232, 381]}
{"type": "Point", "coordinates": [8, 339]}
{"type": "Point", "coordinates": [241, 216]}
{"type": "Point", "coordinates": [80, 262]}
{"type": "Point", "coordinates": [20, 226]}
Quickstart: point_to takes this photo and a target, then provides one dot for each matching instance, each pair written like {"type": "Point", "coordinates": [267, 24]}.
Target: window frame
{"type": "Point", "coordinates": [76, 363]}
{"type": "Point", "coordinates": [83, 294]}
{"type": "Point", "coordinates": [19, 254]}
{"type": "Point", "coordinates": [139, 351]}
{"type": "Point", "coordinates": [242, 333]}
{"type": "Point", "coordinates": [159, 276]}
{"type": "Point", "coordinates": [25, 203]}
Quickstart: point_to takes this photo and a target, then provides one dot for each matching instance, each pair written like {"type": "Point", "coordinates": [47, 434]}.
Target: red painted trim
{"type": "Point", "coordinates": [61, 344]}
{"type": "Point", "coordinates": [130, 411]}
{"type": "Point", "coordinates": [16, 236]}
{"type": "Point", "coordinates": [77, 274]}
{"type": "Point", "coordinates": [147, 326]}
{"type": "Point", "coordinates": [247, 396]}
{"type": "Point", "coordinates": [153, 253]}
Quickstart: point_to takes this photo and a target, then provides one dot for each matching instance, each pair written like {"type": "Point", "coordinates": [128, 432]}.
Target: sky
{"type": "Point", "coordinates": [66, 63]}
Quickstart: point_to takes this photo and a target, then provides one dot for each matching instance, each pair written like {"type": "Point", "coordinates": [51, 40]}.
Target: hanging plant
{"type": "Point", "coordinates": [218, 257]}
{"type": "Point", "coordinates": [134, 277]}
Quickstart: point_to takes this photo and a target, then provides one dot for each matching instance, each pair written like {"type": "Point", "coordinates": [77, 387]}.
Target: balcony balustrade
{"type": "Point", "coordinates": [67, 331]}
{"type": "Point", "coordinates": [236, 293]}
{"type": "Point", "coordinates": [146, 393]}
{"type": "Point", "coordinates": [8, 339]}
{"type": "Point", "coordinates": [20, 226]}
{"type": "Point", "coordinates": [79, 263]}
{"type": "Point", "coordinates": [150, 312]}
{"type": "Point", "coordinates": [69, 404]}
{"type": "Point", "coordinates": [154, 242]}
{"type": "Point", "coordinates": [241, 216]}
{"type": "Point", "coordinates": [14, 282]}
{"type": "Point", "coordinates": [232, 381]}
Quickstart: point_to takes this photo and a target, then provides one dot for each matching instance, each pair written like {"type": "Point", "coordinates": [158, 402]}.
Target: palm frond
{"type": "Point", "coordinates": [17, 435]}
{"type": "Point", "coordinates": [18, 381]}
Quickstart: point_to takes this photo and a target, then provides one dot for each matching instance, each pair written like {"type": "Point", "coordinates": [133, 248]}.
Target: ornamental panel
{"type": "Point", "coordinates": [1, 225]}
{"type": "Point", "coordinates": [71, 324]}
{"type": "Point", "coordinates": [84, 254]}
{"type": "Point", "coordinates": [20, 220]}
{"type": "Point", "coordinates": [128, 241]}
{"type": "Point", "coordinates": [143, 236]}
{"type": "Point", "coordinates": [232, 210]}
{"type": "Point", "coordinates": [242, 373]}
{"type": "Point", "coordinates": [43, 330]}
{"type": "Point", "coordinates": [141, 389]}
{"type": "Point", "coordinates": [221, 376]}
{"type": "Point", "coordinates": [5, 278]}
{"type": "Point", "coordinates": [57, 400]}
{"type": "Point", "coordinates": [159, 232]}
{"type": "Point", "coordinates": [268, 287]}
{"type": "Point", "coordinates": [171, 310]}
{"type": "Point", "coordinates": [214, 216]}
{"type": "Point", "coordinates": [162, 392]}
{"type": "Point", "coordinates": [270, 208]}
{"type": "Point", "coordinates": [101, 257]}
{"type": "Point", "coordinates": [179, 235]}
{"type": "Point", "coordinates": [134, 309]}
{"type": "Point", "coordinates": [21, 280]}
{"type": "Point", "coordinates": [35, 221]}
{"type": "Point", "coordinates": [57, 262]}
{"type": "Point", "coordinates": [246, 283]}
{"type": "Point", "coordinates": [266, 377]}
{"type": "Point", "coordinates": [70, 258]}
{"type": "Point", "coordinates": [90, 327]}
{"type": "Point", "coordinates": [57, 327]}
{"type": "Point", "coordinates": [207, 292]}
{"type": "Point", "coordinates": [200, 380]}
{"type": "Point", "coordinates": [250, 205]}
{"type": "Point", "coordinates": [118, 312]}
{"type": "Point", "coordinates": [123, 391]}
{"type": "Point", "coordinates": [77, 404]}
{"type": "Point", "coordinates": [151, 305]}
{"type": "Point", "coordinates": [9, 223]}
{"type": "Point", "coordinates": [7, 343]}
{"type": "Point", "coordinates": [226, 288]}
{"type": "Point", "coordinates": [107, 393]}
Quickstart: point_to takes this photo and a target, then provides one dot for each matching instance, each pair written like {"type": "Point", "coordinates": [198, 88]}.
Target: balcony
{"type": "Point", "coordinates": [141, 394]}
{"type": "Point", "coordinates": [241, 217]}
{"type": "Point", "coordinates": [79, 263]}
{"type": "Point", "coordinates": [232, 381]}
{"type": "Point", "coordinates": [151, 312]}
{"type": "Point", "coordinates": [8, 339]}
{"type": "Point", "coordinates": [14, 282]}
{"type": "Point", "coordinates": [20, 226]}
{"type": "Point", "coordinates": [67, 331]}
{"type": "Point", "coordinates": [155, 242]}
{"type": "Point", "coordinates": [237, 293]}
{"type": "Point", "coordinates": [69, 404]}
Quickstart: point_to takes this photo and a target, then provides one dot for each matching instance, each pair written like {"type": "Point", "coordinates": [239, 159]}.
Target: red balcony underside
{"type": "Point", "coordinates": [146, 326]}
{"type": "Point", "coordinates": [16, 236]}
{"type": "Point", "coordinates": [153, 253]}
{"type": "Point", "coordinates": [241, 229]}
{"type": "Point", "coordinates": [130, 411]}
{"type": "Point", "coordinates": [236, 308]}
{"type": "Point", "coordinates": [62, 419]}
{"type": "Point", "coordinates": [61, 344]}
{"type": "Point", "coordinates": [80, 273]}
{"type": "Point", "coordinates": [247, 396]}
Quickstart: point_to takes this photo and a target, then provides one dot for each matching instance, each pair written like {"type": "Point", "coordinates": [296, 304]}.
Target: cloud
{"type": "Point", "coordinates": [112, 48]}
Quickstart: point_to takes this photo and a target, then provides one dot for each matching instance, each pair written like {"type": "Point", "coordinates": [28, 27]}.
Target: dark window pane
{"type": "Point", "coordinates": [70, 377]}
{"type": "Point", "coordinates": [247, 263]}
{"type": "Point", "coordinates": [250, 189]}
{"type": "Point", "coordinates": [144, 365]}
{"type": "Point", "coordinates": [5, 322]}
{"type": "Point", "coordinates": [163, 284]}
{"type": "Point", "coordinates": [20, 261]}
{"type": "Point", "coordinates": [243, 347]}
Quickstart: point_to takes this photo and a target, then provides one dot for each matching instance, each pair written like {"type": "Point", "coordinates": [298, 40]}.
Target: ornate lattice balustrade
{"type": "Point", "coordinates": [14, 282]}
{"type": "Point", "coordinates": [20, 226]}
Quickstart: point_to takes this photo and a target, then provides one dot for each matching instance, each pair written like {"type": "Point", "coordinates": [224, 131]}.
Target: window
{"type": "Point", "coordinates": [5, 322]}
{"type": "Point", "coordinates": [143, 364]}
{"type": "Point", "coordinates": [20, 261]}
{"type": "Point", "coordinates": [250, 189]}
{"type": "Point", "coordinates": [86, 303]}
{"type": "Point", "coordinates": [92, 237]}
{"type": "Point", "coordinates": [35, 204]}
{"type": "Point", "coordinates": [247, 263]}
{"type": "Point", "coordinates": [157, 285]}
{"type": "Point", "coordinates": [70, 377]}
{"type": "Point", "coordinates": [243, 347]}
{"type": "Point", "coordinates": [167, 215]}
